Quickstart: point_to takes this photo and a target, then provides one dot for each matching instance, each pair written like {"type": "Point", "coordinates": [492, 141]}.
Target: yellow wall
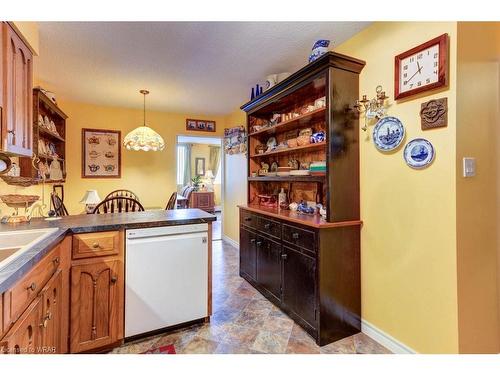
{"type": "Point", "coordinates": [408, 240]}
{"type": "Point", "coordinates": [235, 188]}
{"type": "Point", "coordinates": [151, 175]}
{"type": "Point", "coordinates": [477, 197]}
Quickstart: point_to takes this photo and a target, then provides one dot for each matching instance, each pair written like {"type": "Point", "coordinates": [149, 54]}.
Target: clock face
{"type": "Point", "coordinates": [419, 70]}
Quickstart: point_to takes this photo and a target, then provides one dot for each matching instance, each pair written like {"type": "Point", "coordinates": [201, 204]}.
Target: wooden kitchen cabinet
{"type": "Point", "coordinates": [96, 304]}
{"type": "Point", "coordinates": [269, 267]}
{"type": "Point", "coordinates": [52, 314]}
{"type": "Point", "coordinates": [97, 294]}
{"type": "Point", "coordinates": [36, 308]}
{"type": "Point", "coordinates": [248, 253]}
{"type": "Point", "coordinates": [25, 336]}
{"type": "Point", "coordinates": [16, 95]}
{"type": "Point", "coordinates": [299, 275]}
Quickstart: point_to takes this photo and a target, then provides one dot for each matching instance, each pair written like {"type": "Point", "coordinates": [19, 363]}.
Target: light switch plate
{"type": "Point", "coordinates": [469, 167]}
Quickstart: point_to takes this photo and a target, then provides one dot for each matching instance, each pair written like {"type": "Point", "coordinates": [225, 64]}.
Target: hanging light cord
{"type": "Point", "coordinates": [144, 108]}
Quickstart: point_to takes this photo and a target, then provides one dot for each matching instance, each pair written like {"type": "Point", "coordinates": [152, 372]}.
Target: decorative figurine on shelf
{"type": "Point", "coordinates": [305, 209]}
{"type": "Point", "coordinates": [319, 49]}
{"type": "Point", "coordinates": [282, 200]}
{"type": "Point", "coordinates": [256, 92]}
{"type": "Point", "coordinates": [374, 108]}
{"type": "Point", "coordinates": [318, 137]}
{"type": "Point", "coordinates": [264, 169]}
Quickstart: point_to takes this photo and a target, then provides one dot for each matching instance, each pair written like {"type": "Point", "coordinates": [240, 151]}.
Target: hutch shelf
{"type": "Point", "coordinates": [306, 264]}
{"type": "Point", "coordinates": [55, 141]}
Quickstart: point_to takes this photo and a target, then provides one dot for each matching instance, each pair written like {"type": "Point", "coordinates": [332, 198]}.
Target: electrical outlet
{"type": "Point", "coordinates": [469, 165]}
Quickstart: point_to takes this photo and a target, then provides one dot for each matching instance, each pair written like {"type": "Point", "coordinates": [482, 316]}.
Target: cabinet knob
{"type": "Point", "coordinates": [56, 261]}
{"type": "Point", "coordinates": [284, 256]}
{"type": "Point", "coordinates": [295, 236]}
{"type": "Point", "coordinates": [96, 245]}
{"type": "Point", "coordinates": [114, 279]}
{"type": "Point", "coordinates": [32, 287]}
{"type": "Point", "coordinates": [267, 226]}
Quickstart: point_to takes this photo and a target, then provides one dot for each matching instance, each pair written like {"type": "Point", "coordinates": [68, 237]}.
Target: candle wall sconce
{"type": "Point", "coordinates": [374, 108]}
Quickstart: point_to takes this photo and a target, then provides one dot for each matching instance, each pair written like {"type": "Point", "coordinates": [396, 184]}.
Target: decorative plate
{"type": "Point", "coordinates": [418, 153]}
{"type": "Point", "coordinates": [388, 133]}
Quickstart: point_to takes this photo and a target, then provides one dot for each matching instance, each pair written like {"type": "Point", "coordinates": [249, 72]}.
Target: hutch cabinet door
{"type": "Point", "coordinates": [52, 314]}
{"type": "Point", "coordinates": [97, 303]}
{"type": "Point", "coordinates": [299, 275]}
{"type": "Point", "coordinates": [17, 123]}
{"type": "Point", "coordinates": [25, 335]}
{"type": "Point", "coordinates": [248, 253]}
{"type": "Point", "coordinates": [269, 266]}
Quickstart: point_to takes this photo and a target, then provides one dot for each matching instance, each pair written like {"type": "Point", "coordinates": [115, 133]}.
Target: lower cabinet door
{"type": "Point", "coordinates": [52, 315]}
{"type": "Point", "coordinates": [269, 266]}
{"type": "Point", "coordinates": [25, 335]}
{"type": "Point", "coordinates": [248, 253]}
{"type": "Point", "coordinates": [299, 284]}
{"type": "Point", "coordinates": [97, 304]}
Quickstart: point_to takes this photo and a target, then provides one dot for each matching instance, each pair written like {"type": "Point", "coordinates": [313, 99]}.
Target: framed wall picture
{"type": "Point", "coordinates": [199, 166]}
{"type": "Point", "coordinates": [200, 125]}
{"type": "Point", "coordinates": [101, 153]}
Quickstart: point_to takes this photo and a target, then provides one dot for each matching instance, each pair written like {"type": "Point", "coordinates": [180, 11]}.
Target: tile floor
{"type": "Point", "coordinates": [243, 321]}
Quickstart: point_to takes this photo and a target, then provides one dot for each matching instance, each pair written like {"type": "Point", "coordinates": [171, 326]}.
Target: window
{"type": "Point", "coordinates": [181, 163]}
{"type": "Point", "coordinates": [218, 177]}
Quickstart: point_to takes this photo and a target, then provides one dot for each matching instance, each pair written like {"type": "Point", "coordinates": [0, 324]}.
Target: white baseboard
{"type": "Point", "coordinates": [230, 241]}
{"type": "Point", "coordinates": [385, 339]}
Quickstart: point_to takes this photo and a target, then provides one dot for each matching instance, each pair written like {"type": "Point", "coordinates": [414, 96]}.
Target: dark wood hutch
{"type": "Point", "coordinates": [307, 265]}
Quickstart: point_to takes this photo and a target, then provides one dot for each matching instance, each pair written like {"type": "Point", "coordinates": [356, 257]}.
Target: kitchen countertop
{"type": "Point", "coordinates": [21, 265]}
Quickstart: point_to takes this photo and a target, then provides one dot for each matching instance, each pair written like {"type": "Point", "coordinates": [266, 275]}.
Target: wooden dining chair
{"type": "Point", "coordinates": [171, 202]}
{"type": "Point", "coordinates": [58, 205]}
{"type": "Point", "coordinates": [118, 204]}
{"type": "Point", "coordinates": [122, 193]}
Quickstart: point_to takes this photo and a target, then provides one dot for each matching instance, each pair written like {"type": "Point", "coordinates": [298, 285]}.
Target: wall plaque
{"type": "Point", "coordinates": [434, 114]}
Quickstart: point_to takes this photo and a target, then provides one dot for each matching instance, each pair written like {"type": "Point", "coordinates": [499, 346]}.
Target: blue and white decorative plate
{"type": "Point", "coordinates": [418, 153]}
{"type": "Point", "coordinates": [388, 133]}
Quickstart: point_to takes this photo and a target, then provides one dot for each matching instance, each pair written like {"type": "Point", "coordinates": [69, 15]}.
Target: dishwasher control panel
{"type": "Point", "coordinates": [166, 231]}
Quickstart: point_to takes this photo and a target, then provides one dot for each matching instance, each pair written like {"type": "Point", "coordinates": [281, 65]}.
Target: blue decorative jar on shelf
{"type": "Point", "coordinates": [319, 49]}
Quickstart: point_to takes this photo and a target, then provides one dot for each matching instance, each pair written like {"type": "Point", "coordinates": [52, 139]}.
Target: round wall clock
{"type": "Point", "coordinates": [418, 153]}
{"type": "Point", "coordinates": [388, 133]}
{"type": "Point", "coordinates": [422, 68]}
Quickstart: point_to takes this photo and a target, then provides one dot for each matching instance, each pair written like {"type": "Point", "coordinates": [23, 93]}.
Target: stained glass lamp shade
{"type": "Point", "coordinates": [144, 138]}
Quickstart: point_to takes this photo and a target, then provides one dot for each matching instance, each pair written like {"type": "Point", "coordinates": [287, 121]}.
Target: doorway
{"type": "Point", "coordinates": [200, 175]}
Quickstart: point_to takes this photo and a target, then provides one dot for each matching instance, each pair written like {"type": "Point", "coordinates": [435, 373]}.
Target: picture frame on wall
{"type": "Point", "coordinates": [199, 166]}
{"type": "Point", "coordinates": [200, 125]}
{"type": "Point", "coordinates": [101, 153]}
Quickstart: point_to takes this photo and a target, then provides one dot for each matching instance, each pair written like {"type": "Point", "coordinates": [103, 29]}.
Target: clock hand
{"type": "Point", "coordinates": [419, 67]}
{"type": "Point", "coordinates": [409, 79]}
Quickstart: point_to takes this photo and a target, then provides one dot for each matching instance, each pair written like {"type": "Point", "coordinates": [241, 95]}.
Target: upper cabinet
{"type": "Point", "coordinates": [16, 82]}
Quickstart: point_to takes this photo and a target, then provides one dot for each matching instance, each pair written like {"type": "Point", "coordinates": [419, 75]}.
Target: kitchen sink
{"type": "Point", "coordinates": [15, 243]}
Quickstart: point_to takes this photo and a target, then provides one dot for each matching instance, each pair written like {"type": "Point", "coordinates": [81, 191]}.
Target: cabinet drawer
{"type": "Point", "coordinates": [271, 227]}
{"type": "Point", "coordinates": [248, 219]}
{"type": "Point", "coordinates": [299, 237]}
{"type": "Point", "coordinates": [19, 297]}
{"type": "Point", "coordinates": [90, 245]}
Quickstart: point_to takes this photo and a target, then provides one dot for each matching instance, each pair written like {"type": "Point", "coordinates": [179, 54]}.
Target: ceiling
{"type": "Point", "coordinates": [189, 67]}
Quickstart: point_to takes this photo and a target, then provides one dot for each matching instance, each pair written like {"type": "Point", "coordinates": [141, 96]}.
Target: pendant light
{"type": "Point", "coordinates": [144, 138]}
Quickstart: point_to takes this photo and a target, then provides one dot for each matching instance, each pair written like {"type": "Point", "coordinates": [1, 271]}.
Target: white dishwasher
{"type": "Point", "coordinates": [166, 277]}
